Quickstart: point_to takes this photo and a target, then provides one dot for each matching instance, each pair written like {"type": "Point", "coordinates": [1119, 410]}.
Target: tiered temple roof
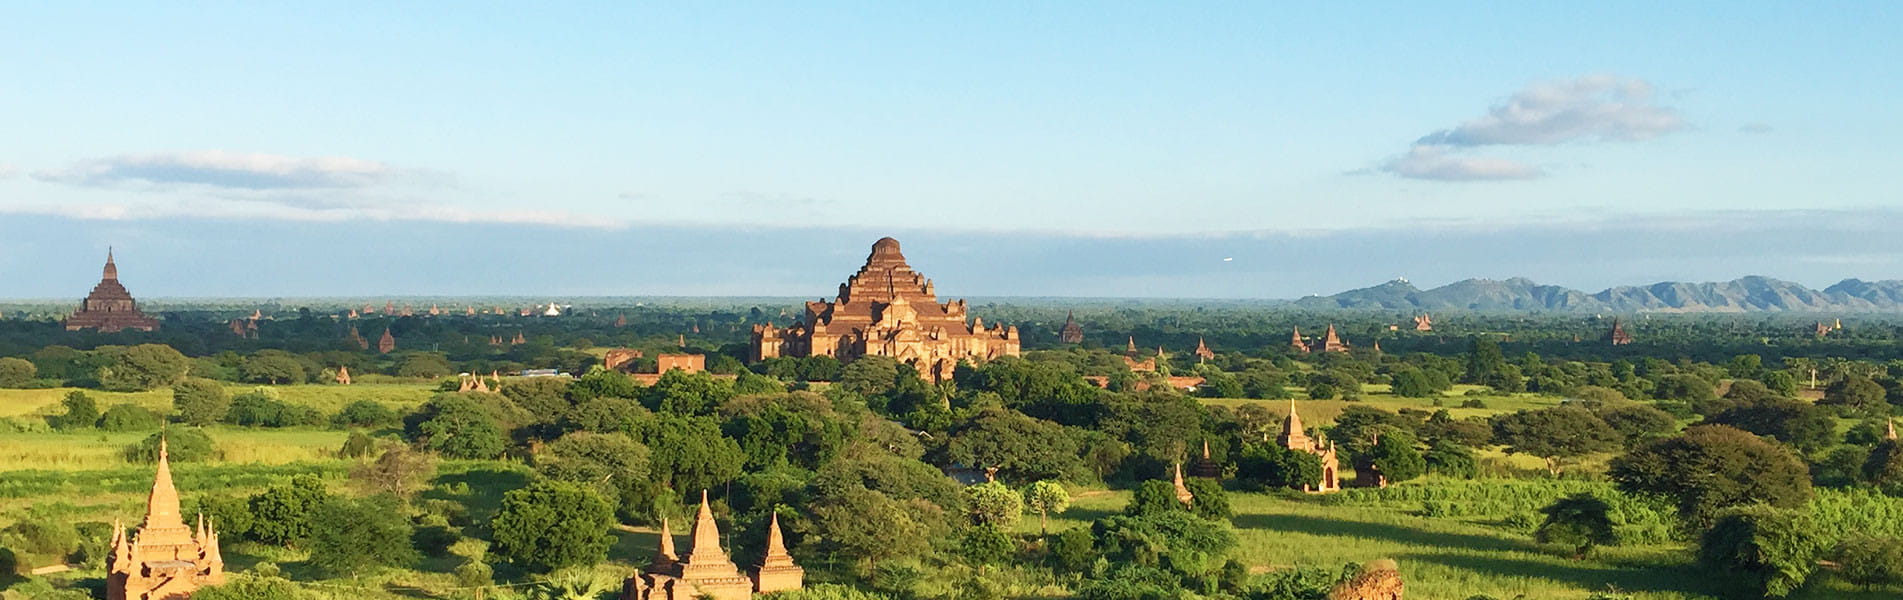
{"type": "Point", "coordinates": [110, 308]}
{"type": "Point", "coordinates": [707, 571]}
{"type": "Point", "coordinates": [1330, 342]}
{"type": "Point", "coordinates": [165, 560]}
{"type": "Point", "coordinates": [1618, 336]}
{"type": "Point", "coordinates": [1072, 333]}
{"type": "Point", "coordinates": [887, 309]}
{"type": "Point", "coordinates": [1295, 437]}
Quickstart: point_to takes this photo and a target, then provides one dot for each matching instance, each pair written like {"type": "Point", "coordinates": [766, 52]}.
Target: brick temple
{"type": "Point", "coordinates": [165, 559]}
{"type": "Point", "coordinates": [110, 308]}
{"type": "Point", "coordinates": [887, 309]}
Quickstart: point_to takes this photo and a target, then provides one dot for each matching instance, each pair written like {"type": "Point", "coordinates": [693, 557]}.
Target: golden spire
{"type": "Point", "coordinates": [667, 545]}
{"type": "Point", "coordinates": [706, 536]}
{"type": "Point", "coordinates": [1182, 491]}
{"type": "Point", "coordinates": [161, 507]}
{"type": "Point", "coordinates": [775, 542]}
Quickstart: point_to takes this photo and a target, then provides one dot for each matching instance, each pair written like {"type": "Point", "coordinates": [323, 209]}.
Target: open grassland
{"type": "Point", "coordinates": [1377, 396]}
{"type": "Point", "coordinates": [1453, 555]}
{"type": "Point", "coordinates": [325, 398]}
{"type": "Point", "coordinates": [93, 449]}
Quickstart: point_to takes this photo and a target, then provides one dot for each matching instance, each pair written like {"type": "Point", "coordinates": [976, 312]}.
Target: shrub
{"type": "Point", "coordinates": [986, 545]}
{"type": "Point", "coordinates": [1072, 550]}
{"type": "Point", "coordinates": [1578, 522]}
{"type": "Point", "coordinates": [1766, 552]}
{"type": "Point", "coordinates": [550, 525]}
{"type": "Point", "coordinates": [365, 413]}
{"type": "Point", "coordinates": [349, 537]}
{"type": "Point", "coordinates": [1210, 501]}
{"type": "Point", "coordinates": [1870, 561]}
{"type": "Point", "coordinates": [188, 444]}
{"type": "Point", "coordinates": [991, 503]}
{"type": "Point", "coordinates": [200, 402]}
{"type": "Point", "coordinates": [357, 445]}
{"type": "Point", "coordinates": [16, 372]}
{"type": "Point", "coordinates": [81, 411]}
{"type": "Point", "coordinates": [129, 417]}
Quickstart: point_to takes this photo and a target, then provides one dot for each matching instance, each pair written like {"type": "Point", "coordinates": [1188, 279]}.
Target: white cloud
{"type": "Point", "coordinates": [230, 208]}
{"type": "Point", "coordinates": [1590, 108]}
{"type": "Point", "coordinates": [225, 170]}
{"type": "Point", "coordinates": [1435, 162]}
{"type": "Point", "coordinates": [1593, 108]}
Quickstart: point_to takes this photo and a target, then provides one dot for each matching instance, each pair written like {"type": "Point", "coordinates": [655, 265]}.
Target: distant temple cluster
{"type": "Point", "coordinates": [110, 308]}
{"type": "Point", "coordinates": [165, 559]}
{"type": "Point", "coordinates": [707, 571]}
{"type": "Point", "coordinates": [1329, 342]}
{"type": "Point", "coordinates": [887, 309]}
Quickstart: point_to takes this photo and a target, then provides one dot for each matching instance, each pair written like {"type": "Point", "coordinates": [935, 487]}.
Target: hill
{"type": "Point", "coordinates": [1745, 294]}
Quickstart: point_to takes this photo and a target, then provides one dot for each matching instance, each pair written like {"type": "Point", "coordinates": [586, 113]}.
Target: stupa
{"type": "Point", "coordinates": [110, 308]}
{"type": "Point", "coordinates": [165, 559]}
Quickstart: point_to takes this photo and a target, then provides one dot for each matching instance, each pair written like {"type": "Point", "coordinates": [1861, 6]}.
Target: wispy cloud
{"type": "Point", "coordinates": [1435, 162]}
{"type": "Point", "coordinates": [1593, 108]}
{"type": "Point", "coordinates": [227, 170]}
{"type": "Point", "coordinates": [7, 171]}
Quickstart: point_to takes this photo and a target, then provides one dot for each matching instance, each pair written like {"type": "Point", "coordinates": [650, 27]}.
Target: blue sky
{"type": "Point", "coordinates": [1173, 134]}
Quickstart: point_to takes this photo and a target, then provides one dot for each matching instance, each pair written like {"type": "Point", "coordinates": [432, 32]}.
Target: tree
{"type": "Point", "coordinates": [1554, 433]}
{"type": "Point", "coordinates": [1266, 466]}
{"type": "Point", "coordinates": [1153, 498]}
{"type": "Point", "coordinates": [285, 514]}
{"type": "Point", "coordinates": [399, 472]}
{"type": "Point", "coordinates": [868, 375]}
{"type": "Point", "coordinates": [1484, 359]}
{"type": "Point", "coordinates": [16, 372]}
{"type": "Point", "coordinates": [1870, 561]}
{"type": "Point", "coordinates": [552, 524]}
{"type": "Point", "coordinates": [1883, 467]}
{"type": "Point", "coordinates": [986, 544]}
{"type": "Point", "coordinates": [1857, 395]}
{"type": "Point", "coordinates": [1764, 551]}
{"type": "Point", "coordinates": [992, 504]}
{"type": "Point", "coordinates": [1020, 447]}
{"type": "Point", "coordinates": [455, 426]}
{"type": "Point", "coordinates": [1177, 542]}
{"type": "Point", "coordinates": [1046, 497]}
{"type": "Point", "coordinates": [365, 413]}
{"type": "Point", "coordinates": [867, 525]}
{"type": "Point", "coordinates": [1579, 522]}
{"type": "Point", "coordinates": [1395, 458]}
{"type": "Point", "coordinates": [1709, 468]}
{"type": "Point", "coordinates": [1637, 423]}
{"type": "Point", "coordinates": [144, 367]}
{"type": "Point", "coordinates": [1800, 424]}
{"type": "Point", "coordinates": [250, 587]}
{"type": "Point", "coordinates": [1208, 500]}
{"type": "Point", "coordinates": [1444, 457]}
{"type": "Point", "coordinates": [689, 453]}
{"type": "Point", "coordinates": [426, 365]}
{"type": "Point", "coordinates": [1684, 388]}
{"type": "Point", "coordinates": [353, 537]}
{"type": "Point", "coordinates": [200, 402]}
{"type": "Point", "coordinates": [129, 417]}
{"type": "Point", "coordinates": [1414, 383]}
{"type": "Point", "coordinates": [616, 466]}
{"type": "Point", "coordinates": [272, 367]}
{"type": "Point", "coordinates": [186, 444]}
{"type": "Point", "coordinates": [81, 411]}
{"type": "Point", "coordinates": [682, 393]}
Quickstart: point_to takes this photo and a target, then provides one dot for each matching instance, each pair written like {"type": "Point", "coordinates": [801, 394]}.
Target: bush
{"type": "Point", "coordinates": [350, 537]}
{"type": "Point", "coordinates": [986, 545]}
{"type": "Point", "coordinates": [550, 525]}
{"type": "Point", "coordinates": [185, 444]}
{"type": "Point", "coordinates": [1870, 561]}
{"type": "Point", "coordinates": [366, 414]}
{"type": "Point", "coordinates": [129, 417]}
{"type": "Point", "coordinates": [1765, 552]}
{"type": "Point", "coordinates": [16, 372]}
{"type": "Point", "coordinates": [257, 409]}
{"type": "Point", "coordinates": [357, 445]}
{"type": "Point", "coordinates": [1072, 551]}
{"type": "Point", "coordinates": [1210, 501]}
{"type": "Point", "coordinates": [81, 411]}
{"type": "Point", "coordinates": [1578, 522]}
{"type": "Point", "coordinates": [200, 402]}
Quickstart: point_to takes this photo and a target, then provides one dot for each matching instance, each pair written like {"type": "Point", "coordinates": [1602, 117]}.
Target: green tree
{"type": "Point", "coordinates": [1857, 395]}
{"type": "Point", "coordinates": [868, 526]}
{"type": "Point", "coordinates": [868, 375]}
{"type": "Point", "coordinates": [1020, 447]}
{"type": "Point", "coordinates": [1176, 542]}
{"type": "Point", "coordinates": [426, 365]}
{"type": "Point", "coordinates": [16, 372]}
{"type": "Point", "coordinates": [200, 402]}
{"type": "Point", "coordinates": [365, 413]}
{"type": "Point", "coordinates": [1709, 468]}
{"type": "Point", "coordinates": [689, 453]}
{"type": "Point", "coordinates": [1153, 498]}
{"type": "Point", "coordinates": [285, 514]}
{"type": "Point", "coordinates": [1046, 497]}
{"type": "Point", "coordinates": [251, 587]}
{"type": "Point", "coordinates": [992, 504]}
{"type": "Point", "coordinates": [1764, 551]}
{"type": "Point", "coordinates": [1266, 466]}
{"type": "Point", "coordinates": [613, 464]}
{"type": "Point", "coordinates": [1637, 423]}
{"type": "Point", "coordinates": [1450, 459]}
{"type": "Point", "coordinates": [1883, 467]}
{"type": "Point", "coordinates": [144, 367]}
{"type": "Point", "coordinates": [129, 417]}
{"type": "Point", "coordinates": [986, 544]}
{"type": "Point", "coordinates": [357, 537]}
{"type": "Point", "coordinates": [1208, 500]}
{"type": "Point", "coordinates": [1484, 359]}
{"type": "Point", "coordinates": [399, 472]}
{"type": "Point", "coordinates": [1395, 458]}
{"type": "Point", "coordinates": [1800, 424]}
{"type": "Point", "coordinates": [552, 524]}
{"type": "Point", "coordinates": [1684, 388]}
{"type": "Point", "coordinates": [1579, 522]}
{"type": "Point", "coordinates": [457, 427]}
{"type": "Point", "coordinates": [186, 444]}
{"type": "Point", "coordinates": [1870, 561]}
{"type": "Point", "coordinates": [682, 393]}
{"type": "Point", "coordinates": [81, 411]}
{"type": "Point", "coordinates": [1554, 433]}
{"type": "Point", "coordinates": [272, 367]}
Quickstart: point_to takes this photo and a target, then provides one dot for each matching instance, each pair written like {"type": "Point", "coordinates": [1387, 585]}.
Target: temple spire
{"type": "Point", "coordinates": [1890, 429]}
{"type": "Point", "coordinates": [161, 507]}
{"type": "Point", "coordinates": [112, 270]}
{"type": "Point", "coordinates": [667, 545]}
{"type": "Point", "coordinates": [775, 542]}
{"type": "Point", "coordinates": [706, 536]}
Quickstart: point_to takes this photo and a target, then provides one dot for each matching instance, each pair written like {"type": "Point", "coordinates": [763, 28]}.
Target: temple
{"type": "Point", "coordinates": [1618, 336]}
{"type": "Point", "coordinates": [707, 571]}
{"type": "Point", "coordinates": [110, 308]}
{"type": "Point", "coordinates": [1296, 343]}
{"type": "Point", "coordinates": [1295, 438]}
{"type": "Point", "coordinates": [1072, 333]}
{"type": "Point", "coordinates": [1330, 342]}
{"type": "Point", "coordinates": [1423, 322]}
{"type": "Point", "coordinates": [1203, 353]}
{"type": "Point", "coordinates": [887, 309]}
{"type": "Point", "coordinates": [165, 560]}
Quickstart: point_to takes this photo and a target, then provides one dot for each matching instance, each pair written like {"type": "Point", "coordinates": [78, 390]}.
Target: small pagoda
{"type": "Point", "coordinates": [1072, 333]}
{"type": "Point", "coordinates": [1331, 342]}
{"type": "Point", "coordinates": [110, 308]}
{"type": "Point", "coordinates": [1618, 336]}
{"type": "Point", "coordinates": [165, 559]}
{"type": "Point", "coordinates": [708, 572]}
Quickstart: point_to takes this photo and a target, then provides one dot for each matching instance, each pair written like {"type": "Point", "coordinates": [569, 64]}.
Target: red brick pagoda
{"type": "Point", "coordinates": [110, 308]}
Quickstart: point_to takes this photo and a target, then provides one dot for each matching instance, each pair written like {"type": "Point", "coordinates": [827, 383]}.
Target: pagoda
{"type": "Point", "coordinates": [707, 571]}
{"type": "Point", "coordinates": [1295, 342]}
{"type": "Point", "coordinates": [110, 308]}
{"type": "Point", "coordinates": [1618, 336]}
{"type": "Point", "coordinates": [1072, 333]}
{"type": "Point", "coordinates": [1203, 352]}
{"type": "Point", "coordinates": [1330, 342]}
{"type": "Point", "coordinates": [887, 309]}
{"type": "Point", "coordinates": [1295, 437]}
{"type": "Point", "coordinates": [1423, 322]}
{"type": "Point", "coordinates": [387, 343]}
{"type": "Point", "coordinates": [165, 560]}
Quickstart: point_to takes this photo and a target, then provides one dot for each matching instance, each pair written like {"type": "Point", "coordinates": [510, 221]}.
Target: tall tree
{"type": "Point", "coordinates": [1709, 468]}
{"type": "Point", "coordinates": [552, 524]}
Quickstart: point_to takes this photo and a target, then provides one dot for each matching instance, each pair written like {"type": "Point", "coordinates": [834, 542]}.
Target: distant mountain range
{"type": "Point", "coordinates": [1747, 294]}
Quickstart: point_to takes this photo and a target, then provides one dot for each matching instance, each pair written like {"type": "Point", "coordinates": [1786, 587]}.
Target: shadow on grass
{"type": "Point", "coordinates": [1652, 578]}
{"type": "Point", "coordinates": [484, 489]}
{"type": "Point", "coordinates": [637, 547]}
{"type": "Point", "coordinates": [1378, 531]}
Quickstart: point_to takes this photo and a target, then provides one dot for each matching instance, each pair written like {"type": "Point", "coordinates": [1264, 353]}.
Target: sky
{"type": "Point", "coordinates": [1246, 150]}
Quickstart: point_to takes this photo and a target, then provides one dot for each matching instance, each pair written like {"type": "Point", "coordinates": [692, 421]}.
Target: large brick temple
{"type": "Point", "coordinates": [887, 309]}
{"type": "Point", "coordinates": [110, 307]}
